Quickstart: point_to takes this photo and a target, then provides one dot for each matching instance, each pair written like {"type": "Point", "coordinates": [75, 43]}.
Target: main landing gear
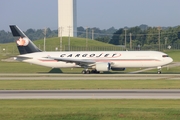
{"type": "Point", "coordinates": [87, 71]}
{"type": "Point", "coordinates": [159, 70]}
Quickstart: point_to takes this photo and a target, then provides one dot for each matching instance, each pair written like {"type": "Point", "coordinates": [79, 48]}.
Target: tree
{"type": "Point", "coordinates": [117, 37]}
{"type": "Point", "coordinates": [152, 35]}
{"type": "Point", "coordinates": [104, 39]}
{"type": "Point", "coordinates": [80, 31]}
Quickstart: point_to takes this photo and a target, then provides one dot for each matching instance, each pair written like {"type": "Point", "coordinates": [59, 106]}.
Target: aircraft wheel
{"type": "Point", "coordinates": [159, 72]}
{"type": "Point", "coordinates": [88, 72]}
{"type": "Point", "coordinates": [93, 71]}
{"type": "Point", "coordinates": [84, 72]}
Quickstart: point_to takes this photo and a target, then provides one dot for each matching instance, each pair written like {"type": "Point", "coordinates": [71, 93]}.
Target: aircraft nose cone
{"type": "Point", "coordinates": [170, 60]}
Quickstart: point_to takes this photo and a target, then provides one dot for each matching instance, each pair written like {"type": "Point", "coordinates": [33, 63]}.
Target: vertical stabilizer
{"type": "Point", "coordinates": [24, 44]}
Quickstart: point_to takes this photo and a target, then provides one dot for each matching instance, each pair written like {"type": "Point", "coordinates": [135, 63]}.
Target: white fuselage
{"type": "Point", "coordinates": [118, 59]}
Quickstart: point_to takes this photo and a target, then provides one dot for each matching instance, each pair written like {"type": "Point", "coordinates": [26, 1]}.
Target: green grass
{"type": "Point", "coordinates": [89, 109]}
{"type": "Point", "coordinates": [21, 67]}
{"type": "Point", "coordinates": [51, 43]}
{"type": "Point", "coordinates": [175, 54]}
{"type": "Point", "coordinates": [73, 42]}
{"type": "Point", "coordinates": [87, 84]}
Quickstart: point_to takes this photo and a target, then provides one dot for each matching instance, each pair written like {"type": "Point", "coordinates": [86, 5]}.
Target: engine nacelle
{"type": "Point", "coordinates": [103, 66]}
{"type": "Point", "coordinates": [118, 69]}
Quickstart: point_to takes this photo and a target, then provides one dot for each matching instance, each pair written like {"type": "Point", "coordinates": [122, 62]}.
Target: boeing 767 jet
{"type": "Point", "coordinates": [91, 61]}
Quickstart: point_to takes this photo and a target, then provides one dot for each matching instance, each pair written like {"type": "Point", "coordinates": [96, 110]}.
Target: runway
{"type": "Point", "coordinates": [88, 76]}
{"type": "Point", "coordinates": [90, 94]}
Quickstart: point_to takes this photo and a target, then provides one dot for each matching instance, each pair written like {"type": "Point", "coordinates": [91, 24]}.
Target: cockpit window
{"type": "Point", "coordinates": [165, 56]}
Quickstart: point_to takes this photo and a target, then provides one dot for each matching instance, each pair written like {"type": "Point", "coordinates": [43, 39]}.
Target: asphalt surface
{"type": "Point", "coordinates": [88, 76]}
{"type": "Point", "coordinates": [90, 94]}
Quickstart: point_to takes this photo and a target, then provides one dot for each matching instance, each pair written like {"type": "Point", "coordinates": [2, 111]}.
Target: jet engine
{"type": "Point", "coordinates": [103, 66]}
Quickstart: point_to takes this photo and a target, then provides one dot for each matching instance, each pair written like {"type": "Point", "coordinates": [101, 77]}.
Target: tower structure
{"type": "Point", "coordinates": [67, 18]}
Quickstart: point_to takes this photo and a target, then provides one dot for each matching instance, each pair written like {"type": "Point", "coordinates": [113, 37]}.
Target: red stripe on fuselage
{"type": "Point", "coordinates": [130, 60]}
{"type": "Point", "coordinates": [49, 60]}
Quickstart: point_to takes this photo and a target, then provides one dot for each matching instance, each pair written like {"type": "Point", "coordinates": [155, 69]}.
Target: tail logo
{"type": "Point", "coordinates": [23, 41]}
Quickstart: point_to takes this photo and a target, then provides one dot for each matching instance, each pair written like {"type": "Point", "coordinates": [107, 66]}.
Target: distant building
{"type": "Point", "coordinates": [67, 18]}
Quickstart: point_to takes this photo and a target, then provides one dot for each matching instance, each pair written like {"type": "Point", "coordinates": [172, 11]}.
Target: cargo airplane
{"type": "Point", "coordinates": [91, 61]}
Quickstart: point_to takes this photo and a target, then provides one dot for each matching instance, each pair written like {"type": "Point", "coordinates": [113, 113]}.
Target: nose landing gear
{"type": "Point", "coordinates": [159, 70]}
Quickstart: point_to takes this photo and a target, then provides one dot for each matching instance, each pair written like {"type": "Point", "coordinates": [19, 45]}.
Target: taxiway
{"type": "Point", "coordinates": [88, 76]}
{"type": "Point", "coordinates": [90, 94]}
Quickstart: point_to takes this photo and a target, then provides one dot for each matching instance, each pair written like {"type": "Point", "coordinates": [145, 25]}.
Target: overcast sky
{"type": "Point", "coordinates": [38, 14]}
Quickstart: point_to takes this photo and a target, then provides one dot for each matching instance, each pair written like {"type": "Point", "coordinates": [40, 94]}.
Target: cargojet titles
{"type": "Point", "coordinates": [100, 55]}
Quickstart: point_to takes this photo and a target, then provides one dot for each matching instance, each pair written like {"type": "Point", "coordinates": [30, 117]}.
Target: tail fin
{"type": "Point", "coordinates": [24, 44]}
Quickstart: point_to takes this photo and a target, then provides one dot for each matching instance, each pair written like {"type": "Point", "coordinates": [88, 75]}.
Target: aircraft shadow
{"type": "Point", "coordinates": [55, 70]}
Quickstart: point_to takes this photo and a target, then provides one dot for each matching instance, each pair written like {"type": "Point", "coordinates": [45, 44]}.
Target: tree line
{"type": "Point", "coordinates": [98, 34]}
{"type": "Point", "coordinates": [138, 35]}
{"type": "Point", "coordinates": [145, 35]}
{"type": "Point", "coordinates": [6, 37]}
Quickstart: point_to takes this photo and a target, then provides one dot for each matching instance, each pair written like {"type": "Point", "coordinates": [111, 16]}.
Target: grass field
{"type": "Point", "coordinates": [87, 84]}
{"type": "Point", "coordinates": [76, 44]}
{"type": "Point", "coordinates": [89, 109]}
